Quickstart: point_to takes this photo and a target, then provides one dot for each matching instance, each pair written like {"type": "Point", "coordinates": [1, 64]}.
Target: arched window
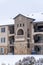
{"type": "Point", "coordinates": [20, 32]}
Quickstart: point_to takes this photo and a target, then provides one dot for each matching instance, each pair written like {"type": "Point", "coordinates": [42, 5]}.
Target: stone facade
{"type": "Point", "coordinates": [23, 37]}
{"type": "Point", "coordinates": [22, 23]}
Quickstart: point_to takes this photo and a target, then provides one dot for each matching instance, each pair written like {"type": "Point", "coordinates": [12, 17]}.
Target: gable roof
{"type": "Point", "coordinates": [24, 16]}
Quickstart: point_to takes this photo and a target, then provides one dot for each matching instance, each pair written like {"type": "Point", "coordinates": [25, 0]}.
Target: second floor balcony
{"type": "Point", "coordinates": [38, 39]}
{"type": "Point", "coordinates": [11, 40]}
{"type": "Point", "coordinates": [11, 29]}
{"type": "Point", "coordinates": [38, 28]}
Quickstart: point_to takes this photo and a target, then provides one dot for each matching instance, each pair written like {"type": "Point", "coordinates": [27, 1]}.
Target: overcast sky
{"type": "Point", "coordinates": [12, 59]}
{"type": "Point", "coordinates": [10, 8]}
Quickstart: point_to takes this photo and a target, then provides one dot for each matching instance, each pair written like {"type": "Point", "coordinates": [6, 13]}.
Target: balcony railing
{"type": "Point", "coordinates": [38, 39]}
{"type": "Point", "coordinates": [38, 29]}
{"type": "Point", "coordinates": [11, 32]}
{"type": "Point", "coordinates": [11, 43]}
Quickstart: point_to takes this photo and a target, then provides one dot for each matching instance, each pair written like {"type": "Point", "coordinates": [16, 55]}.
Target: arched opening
{"type": "Point", "coordinates": [20, 32]}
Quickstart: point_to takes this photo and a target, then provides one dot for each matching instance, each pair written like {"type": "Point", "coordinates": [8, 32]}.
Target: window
{"type": "Point", "coordinates": [20, 25]}
{"type": "Point", "coordinates": [17, 25]}
{"type": "Point", "coordinates": [23, 24]}
{"type": "Point", "coordinates": [2, 40]}
{"type": "Point", "coordinates": [28, 44]}
{"type": "Point", "coordinates": [20, 32]}
{"type": "Point", "coordinates": [2, 50]}
{"type": "Point", "coordinates": [2, 29]}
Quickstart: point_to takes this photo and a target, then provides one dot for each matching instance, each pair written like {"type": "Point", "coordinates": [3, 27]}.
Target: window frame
{"type": "Point", "coordinates": [3, 29]}
{"type": "Point", "coordinates": [2, 50]}
{"type": "Point", "coordinates": [3, 40]}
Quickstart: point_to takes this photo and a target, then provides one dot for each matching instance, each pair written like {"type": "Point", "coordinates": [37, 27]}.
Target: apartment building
{"type": "Point", "coordinates": [7, 39]}
{"type": "Point", "coordinates": [23, 37]}
{"type": "Point", "coordinates": [23, 34]}
{"type": "Point", "coordinates": [38, 37]}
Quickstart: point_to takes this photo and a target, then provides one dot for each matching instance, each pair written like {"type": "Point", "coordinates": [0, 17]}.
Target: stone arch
{"type": "Point", "coordinates": [20, 32]}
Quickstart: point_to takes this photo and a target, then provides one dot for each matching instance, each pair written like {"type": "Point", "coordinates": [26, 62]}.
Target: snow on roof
{"type": "Point", "coordinates": [37, 16]}
{"type": "Point", "coordinates": [6, 21]}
